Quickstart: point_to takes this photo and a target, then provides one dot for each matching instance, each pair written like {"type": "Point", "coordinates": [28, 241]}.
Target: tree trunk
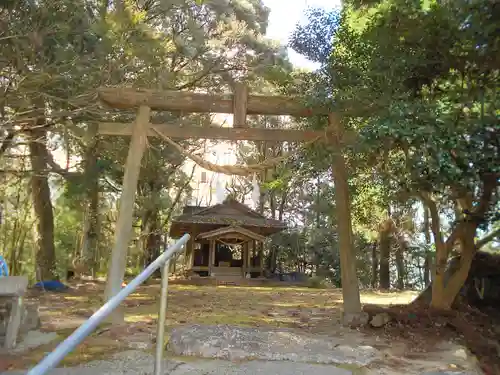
{"type": "Point", "coordinates": [374, 278]}
{"type": "Point", "coordinates": [91, 228]}
{"type": "Point", "coordinates": [274, 250]}
{"type": "Point", "coordinates": [428, 255]}
{"type": "Point", "coordinates": [446, 289]}
{"type": "Point", "coordinates": [17, 268]}
{"type": "Point", "coordinates": [42, 205]}
{"type": "Point", "coordinates": [263, 154]}
{"type": "Point", "coordinates": [400, 264]}
{"type": "Point", "coordinates": [153, 242]}
{"type": "Point", "coordinates": [272, 204]}
{"type": "Point", "coordinates": [385, 253]}
{"type": "Point", "coordinates": [272, 263]}
{"type": "Point", "coordinates": [318, 212]}
{"type": "Point", "coordinates": [447, 283]}
{"type": "Point", "coordinates": [427, 269]}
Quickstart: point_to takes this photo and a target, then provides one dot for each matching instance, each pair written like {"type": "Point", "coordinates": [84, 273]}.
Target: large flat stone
{"type": "Point", "coordinates": [237, 343]}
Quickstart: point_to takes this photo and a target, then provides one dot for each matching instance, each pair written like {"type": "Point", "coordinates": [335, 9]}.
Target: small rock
{"type": "Point", "coordinates": [461, 353]}
{"type": "Point", "coordinates": [87, 313]}
{"type": "Point", "coordinates": [304, 319]}
{"type": "Point", "coordinates": [355, 319]}
{"type": "Point", "coordinates": [139, 345]}
{"type": "Point", "coordinates": [380, 320]}
{"type": "Point", "coordinates": [272, 313]}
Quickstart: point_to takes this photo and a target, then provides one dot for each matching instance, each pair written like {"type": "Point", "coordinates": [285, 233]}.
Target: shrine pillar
{"type": "Point", "coordinates": [211, 257]}
{"type": "Point", "coordinates": [244, 257]}
{"type": "Point", "coordinates": [261, 259]}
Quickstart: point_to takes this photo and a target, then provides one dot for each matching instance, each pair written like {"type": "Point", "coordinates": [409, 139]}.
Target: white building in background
{"type": "Point", "coordinates": [209, 188]}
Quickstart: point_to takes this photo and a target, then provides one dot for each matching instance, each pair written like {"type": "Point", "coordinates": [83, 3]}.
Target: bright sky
{"type": "Point", "coordinates": [285, 14]}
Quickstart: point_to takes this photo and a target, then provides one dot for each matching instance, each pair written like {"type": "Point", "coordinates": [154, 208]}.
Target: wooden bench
{"type": "Point", "coordinates": [14, 287]}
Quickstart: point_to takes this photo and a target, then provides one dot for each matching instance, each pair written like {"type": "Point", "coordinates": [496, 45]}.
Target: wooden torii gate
{"type": "Point", "coordinates": [240, 104]}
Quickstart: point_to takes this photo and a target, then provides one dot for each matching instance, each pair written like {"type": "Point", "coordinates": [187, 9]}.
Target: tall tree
{"type": "Point", "coordinates": [42, 205]}
{"type": "Point", "coordinates": [436, 115]}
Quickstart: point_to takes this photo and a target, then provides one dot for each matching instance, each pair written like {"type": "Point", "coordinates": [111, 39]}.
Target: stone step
{"type": "Point", "coordinates": [227, 272]}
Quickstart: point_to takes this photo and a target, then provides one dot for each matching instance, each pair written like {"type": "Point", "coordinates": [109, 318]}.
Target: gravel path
{"type": "Point", "coordinates": [132, 362]}
{"type": "Point", "coordinates": [227, 350]}
{"type": "Point", "coordinates": [257, 368]}
{"type": "Point", "coordinates": [136, 362]}
{"type": "Point", "coordinates": [141, 363]}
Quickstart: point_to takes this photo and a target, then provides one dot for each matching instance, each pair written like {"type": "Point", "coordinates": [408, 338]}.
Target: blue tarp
{"type": "Point", "coordinates": [53, 285]}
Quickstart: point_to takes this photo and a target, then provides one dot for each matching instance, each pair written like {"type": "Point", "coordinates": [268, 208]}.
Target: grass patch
{"type": "Point", "coordinates": [140, 317]}
{"type": "Point", "coordinates": [91, 349]}
{"type": "Point", "coordinates": [243, 320]}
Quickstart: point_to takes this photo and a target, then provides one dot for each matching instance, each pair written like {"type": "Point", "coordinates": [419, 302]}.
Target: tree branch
{"type": "Point", "coordinates": [490, 183]}
{"type": "Point", "coordinates": [178, 197]}
{"type": "Point", "coordinates": [7, 142]}
{"type": "Point", "coordinates": [56, 168]}
{"type": "Point", "coordinates": [488, 238]}
{"type": "Point", "coordinates": [435, 221]}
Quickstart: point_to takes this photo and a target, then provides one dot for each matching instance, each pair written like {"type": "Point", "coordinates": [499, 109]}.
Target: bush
{"type": "Point", "coordinates": [318, 282]}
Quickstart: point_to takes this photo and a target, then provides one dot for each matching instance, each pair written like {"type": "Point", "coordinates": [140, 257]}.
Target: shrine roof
{"type": "Point", "coordinates": [228, 213]}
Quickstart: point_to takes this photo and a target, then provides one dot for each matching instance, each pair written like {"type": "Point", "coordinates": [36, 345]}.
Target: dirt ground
{"type": "Point", "coordinates": [424, 328]}
{"type": "Point", "coordinates": [314, 310]}
{"type": "Point", "coordinates": [303, 309]}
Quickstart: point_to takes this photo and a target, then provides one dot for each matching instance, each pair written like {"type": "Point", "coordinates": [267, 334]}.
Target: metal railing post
{"type": "Point", "coordinates": [162, 313]}
{"type": "Point", "coordinates": [72, 341]}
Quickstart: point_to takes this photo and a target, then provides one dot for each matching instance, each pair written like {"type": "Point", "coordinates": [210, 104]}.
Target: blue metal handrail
{"type": "Point", "coordinates": [4, 268]}
{"type": "Point", "coordinates": [73, 340]}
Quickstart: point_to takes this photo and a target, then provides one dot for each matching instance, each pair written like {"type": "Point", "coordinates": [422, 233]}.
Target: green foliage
{"type": "Point", "coordinates": [314, 40]}
{"type": "Point", "coordinates": [433, 96]}
{"type": "Point", "coordinates": [56, 53]}
{"type": "Point", "coordinates": [67, 237]}
{"type": "Point", "coordinates": [318, 282]}
{"type": "Point", "coordinates": [16, 226]}
{"type": "Point", "coordinates": [418, 82]}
